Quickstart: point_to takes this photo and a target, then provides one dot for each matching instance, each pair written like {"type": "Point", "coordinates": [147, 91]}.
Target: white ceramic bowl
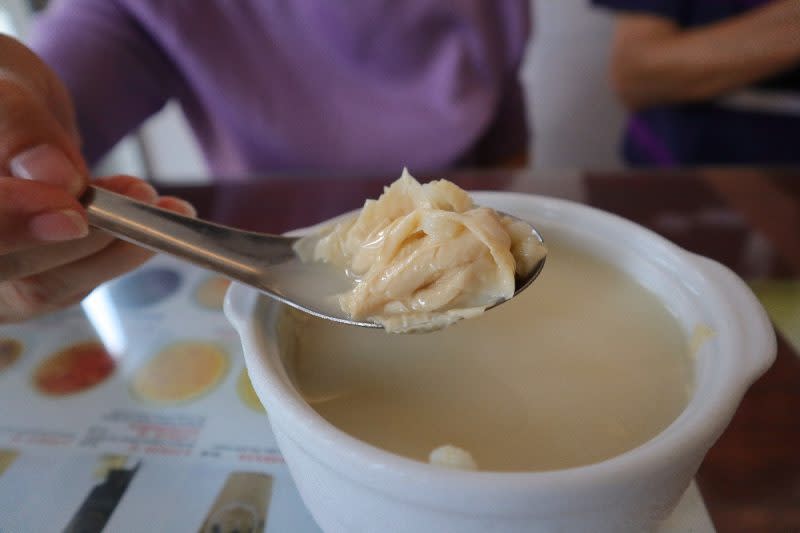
{"type": "Point", "coordinates": [350, 486]}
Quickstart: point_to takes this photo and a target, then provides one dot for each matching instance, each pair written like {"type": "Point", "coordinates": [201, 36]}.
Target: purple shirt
{"type": "Point", "coordinates": [301, 85]}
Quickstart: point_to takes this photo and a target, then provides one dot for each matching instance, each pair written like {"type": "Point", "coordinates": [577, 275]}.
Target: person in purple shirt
{"type": "Point", "coordinates": [307, 86]}
{"type": "Point", "coordinates": [709, 82]}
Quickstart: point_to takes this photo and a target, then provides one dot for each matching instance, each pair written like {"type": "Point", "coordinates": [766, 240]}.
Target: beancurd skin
{"type": "Point", "coordinates": [422, 257]}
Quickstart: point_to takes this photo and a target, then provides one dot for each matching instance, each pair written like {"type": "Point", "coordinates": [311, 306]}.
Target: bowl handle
{"type": "Point", "coordinates": [756, 336]}
{"type": "Point", "coordinates": [236, 306]}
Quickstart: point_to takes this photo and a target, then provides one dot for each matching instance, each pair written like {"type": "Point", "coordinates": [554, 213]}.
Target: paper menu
{"type": "Point", "coordinates": [42, 493]}
{"type": "Point", "coordinates": [97, 381]}
{"type": "Point", "coordinates": [176, 385]}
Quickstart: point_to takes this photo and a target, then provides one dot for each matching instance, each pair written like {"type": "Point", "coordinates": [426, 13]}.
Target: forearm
{"type": "Point", "coordinates": [657, 63]}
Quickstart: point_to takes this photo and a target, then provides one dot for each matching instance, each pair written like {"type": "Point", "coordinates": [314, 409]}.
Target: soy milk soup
{"type": "Point", "coordinates": [582, 366]}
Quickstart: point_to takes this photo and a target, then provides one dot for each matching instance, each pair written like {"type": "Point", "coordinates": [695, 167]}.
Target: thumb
{"type": "Point", "coordinates": [32, 214]}
{"type": "Point", "coordinates": [35, 143]}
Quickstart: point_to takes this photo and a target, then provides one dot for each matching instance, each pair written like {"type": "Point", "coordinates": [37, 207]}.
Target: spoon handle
{"type": "Point", "coordinates": [235, 253]}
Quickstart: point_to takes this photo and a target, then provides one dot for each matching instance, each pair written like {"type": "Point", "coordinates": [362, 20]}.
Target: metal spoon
{"type": "Point", "coordinates": [266, 262]}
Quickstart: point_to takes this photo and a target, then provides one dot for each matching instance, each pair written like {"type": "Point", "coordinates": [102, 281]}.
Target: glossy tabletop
{"type": "Point", "coordinates": [746, 219]}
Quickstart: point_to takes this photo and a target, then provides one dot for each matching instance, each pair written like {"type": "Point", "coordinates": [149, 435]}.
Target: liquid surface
{"type": "Point", "coordinates": [582, 366]}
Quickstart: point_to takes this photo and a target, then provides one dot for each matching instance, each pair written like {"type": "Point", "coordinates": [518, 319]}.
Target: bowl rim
{"type": "Point", "coordinates": [695, 429]}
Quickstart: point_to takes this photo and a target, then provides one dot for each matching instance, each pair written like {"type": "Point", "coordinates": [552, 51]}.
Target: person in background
{"type": "Point", "coordinates": [708, 82]}
{"type": "Point", "coordinates": [308, 86]}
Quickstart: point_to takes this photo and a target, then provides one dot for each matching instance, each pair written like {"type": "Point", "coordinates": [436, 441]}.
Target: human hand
{"type": "Point", "coordinates": [49, 258]}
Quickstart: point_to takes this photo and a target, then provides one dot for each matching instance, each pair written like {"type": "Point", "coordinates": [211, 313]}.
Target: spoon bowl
{"type": "Point", "coordinates": [262, 260]}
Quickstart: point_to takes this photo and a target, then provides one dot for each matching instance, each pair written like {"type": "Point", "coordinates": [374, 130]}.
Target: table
{"type": "Point", "coordinates": [747, 219]}
{"type": "Point", "coordinates": [86, 404]}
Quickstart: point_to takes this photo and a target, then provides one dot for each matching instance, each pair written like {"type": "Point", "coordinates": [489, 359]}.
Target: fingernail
{"type": "Point", "coordinates": [49, 165]}
{"type": "Point", "coordinates": [143, 192]}
{"type": "Point", "coordinates": [58, 226]}
{"type": "Point", "coordinates": [187, 207]}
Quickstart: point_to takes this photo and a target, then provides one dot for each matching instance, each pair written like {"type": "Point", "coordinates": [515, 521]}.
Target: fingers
{"type": "Point", "coordinates": [34, 145]}
{"type": "Point", "coordinates": [34, 213]}
{"type": "Point", "coordinates": [178, 205]}
{"type": "Point", "coordinates": [129, 186]}
{"type": "Point", "coordinates": [70, 282]}
{"type": "Point", "coordinates": [31, 261]}
{"type": "Point", "coordinates": [44, 163]}
{"type": "Point", "coordinates": [38, 133]}
{"type": "Point", "coordinates": [134, 187]}
{"type": "Point", "coordinates": [38, 142]}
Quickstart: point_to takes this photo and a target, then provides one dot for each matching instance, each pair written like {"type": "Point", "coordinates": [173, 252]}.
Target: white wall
{"type": "Point", "coordinates": [171, 151]}
{"type": "Point", "coordinates": [14, 17]}
{"type": "Point", "coordinates": [576, 120]}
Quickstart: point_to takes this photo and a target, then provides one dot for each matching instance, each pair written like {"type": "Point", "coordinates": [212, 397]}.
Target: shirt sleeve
{"type": "Point", "coordinates": [117, 74]}
{"type": "Point", "coordinates": [672, 9]}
